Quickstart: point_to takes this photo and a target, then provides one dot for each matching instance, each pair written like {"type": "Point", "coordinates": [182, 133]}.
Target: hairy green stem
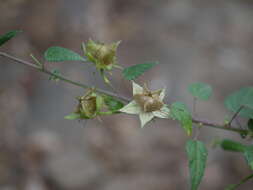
{"type": "Point", "coordinates": [125, 99]}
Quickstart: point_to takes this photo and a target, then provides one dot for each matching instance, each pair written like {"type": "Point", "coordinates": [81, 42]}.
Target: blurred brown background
{"type": "Point", "coordinates": [198, 40]}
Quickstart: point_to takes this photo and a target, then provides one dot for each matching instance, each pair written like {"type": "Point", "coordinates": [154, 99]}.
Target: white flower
{"type": "Point", "coordinates": [147, 104]}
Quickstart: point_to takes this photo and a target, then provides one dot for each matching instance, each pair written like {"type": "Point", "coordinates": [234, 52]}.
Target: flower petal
{"type": "Point", "coordinates": [163, 112]}
{"type": "Point", "coordinates": [131, 108]}
{"type": "Point", "coordinates": [137, 89]}
{"type": "Point", "coordinates": [162, 94]}
{"type": "Point", "coordinates": [145, 117]}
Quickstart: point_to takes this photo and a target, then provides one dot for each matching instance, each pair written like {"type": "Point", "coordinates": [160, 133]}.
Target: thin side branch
{"type": "Point", "coordinates": [235, 114]}
{"type": "Point", "coordinates": [125, 99]}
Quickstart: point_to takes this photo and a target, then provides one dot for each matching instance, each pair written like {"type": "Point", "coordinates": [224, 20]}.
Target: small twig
{"type": "Point", "coordinates": [235, 114]}
{"type": "Point", "coordinates": [37, 61]}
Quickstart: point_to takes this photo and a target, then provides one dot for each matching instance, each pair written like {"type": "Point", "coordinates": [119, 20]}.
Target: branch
{"type": "Point", "coordinates": [125, 99]}
{"type": "Point", "coordinates": [62, 78]}
{"type": "Point", "coordinates": [219, 126]}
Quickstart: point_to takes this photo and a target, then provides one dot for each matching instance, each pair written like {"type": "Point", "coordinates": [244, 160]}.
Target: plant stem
{"type": "Point", "coordinates": [62, 78]}
{"type": "Point", "coordinates": [123, 98]}
{"type": "Point", "coordinates": [219, 126]}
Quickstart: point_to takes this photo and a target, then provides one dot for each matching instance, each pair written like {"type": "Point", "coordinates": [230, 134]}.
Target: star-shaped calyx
{"type": "Point", "coordinates": [147, 104]}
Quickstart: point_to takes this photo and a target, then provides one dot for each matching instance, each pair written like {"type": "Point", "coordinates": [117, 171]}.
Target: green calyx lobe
{"type": "Point", "coordinates": [102, 55]}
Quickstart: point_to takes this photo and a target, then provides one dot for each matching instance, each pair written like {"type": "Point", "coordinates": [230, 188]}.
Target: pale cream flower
{"type": "Point", "coordinates": [147, 104]}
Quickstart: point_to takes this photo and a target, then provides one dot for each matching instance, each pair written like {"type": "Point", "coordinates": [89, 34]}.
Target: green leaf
{"type": "Point", "coordinates": [112, 103]}
{"type": "Point", "coordinates": [248, 154]}
{"type": "Point", "coordinates": [230, 145]}
{"type": "Point", "coordinates": [133, 72]}
{"type": "Point", "coordinates": [197, 156]}
{"type": "Point", "coordinates": [247, 151]}
{"type": "Point", "coordinates": [200, 90]}
{"type": "Point", "coordinates": [243, 97]}
{"type": "Point", "coordinates": [57, 54]}
{"type": "Point", "coordinates": [250, 124]}
{"type": "Point", "coordinates": [180, 112]}
{"type": "Point", "coordinates": [73, 116]}
{"type": "Point", "coordinates": [6, 37]}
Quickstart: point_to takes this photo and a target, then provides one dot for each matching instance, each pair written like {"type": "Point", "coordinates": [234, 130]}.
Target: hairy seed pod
{"type": "Point", "coordinates": [147, 102]}
{"type": "Point", "coordinates": [89, 106]}
{"type": "Point", "coordinates": [153, 105]}
{"type": "Point", "coordinates": [106, 54]}
{"type": "Point", "coordinates": [141, 99]}
{"type": "Point", "coordinates": [103, 55]}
